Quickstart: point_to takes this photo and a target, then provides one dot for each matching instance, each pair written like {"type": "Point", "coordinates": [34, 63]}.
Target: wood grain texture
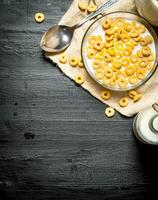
{"type": "Point", "coordinates": [55, 142]}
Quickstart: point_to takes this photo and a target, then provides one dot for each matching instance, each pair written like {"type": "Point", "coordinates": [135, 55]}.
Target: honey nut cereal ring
{"type": "Point", "coordinates": [143, 62]}
{"type": "Point", "coordinates": [122, 82]}
{"type": "Point", "coordinates": [91, 53]}
{"type": "Point", "coordinates": [133, 79]}
{"type": "Point", "coordinates": [107, 57]}
{"type": "Point", "coordinates": [139, 54]}
{"type": "Point", "coordinates": [141, 28]}
{"type": "Point", "coordinates": [109, 73]}
{"type": "Point", "coordinates": [80, 62]}
{"type": "Point", "coordinates": [134, 58]}
{"type": "Point", "coordinates": [39, 17]}
{"type": "Point", "coordinates": [125, 61]}
{"type": "Point", "coordinates": [130, 70]}
{"type": "Point", "coordinates": [125, 38]}
{"type": "Point", "coordinates": [151, 57]}
{"type": "Point", "coordinates": [127, 52]}
{"type": "Point", "coordinates": [105, 94]}
{"type": "Point", "coordinates": [127, 26]}
{"type": "Point", "coordinates": [62, 58]}
{"type": "Point", "coordinates": [79, 79]}
{"type": "Point", "coordinates": [118, 55]}
{"type": "Point", "coordinates": [119, 21]}
{"type": "Point", "coordinates": [106, 24]}
{"type": "Point", "coordinates": [150, 66]}
{"type": "Point", "coordinates": [119, 46]}
{"type": "Point", "coordinates": [96, 64]}
{"type": "Point", "coordinates": [137, 39]}
{"type": "Point", "coordinates": [112, 51]}
{"type": "Point", "coordinates": [117, 74]}
{"type": "Point", "coordinates": [123, 102]}
{"type": "Point", "coordinates": [137, 97]}
{"type": "Point", "coordinates": [73, 61]}
{"type": "Point", "coordinates": [98, 45]}
{"type": "Point", "coordinates": [117, 64]}
{"type": "Point", "coordinates": [82, 5]}
{"type": "Point", "coordinates": [91, 7]}
{"type": "Point", "coordinates": [109, 38]}
{"type": "Point", "coordinates": [113, 81]}
{"type": "Point", "coordinates": [106, 81]}
{"type": "Point", "coordinates": [140, 73]}
{"type": "Point", "coordinates": [146, 51]}
{"type": "Point", "coordinates": [134, 34]}
{"type": "Point", "coordinates": [109, 112]}
{"type": "Point", "coordinates": [99, 75]}
{"type": "Point", "coordinates": [109, 32]}
{"type": "Point", "coordinates": [132, 93]}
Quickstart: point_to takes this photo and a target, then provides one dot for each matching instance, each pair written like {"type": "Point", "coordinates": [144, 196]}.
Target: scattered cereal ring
{"type": "Point", "coordinates": [132, 93]}
{"type": "Point", "coordinates": [39, 17]}
{"type": "Point", "coordinates": [109, 112]}
{"type": "Point", "coordinates": [122, 82]}
{"type": "Point", "coordinates": [146, 51]}
{"type": "Point", "coordinates": [79, 79]}
{"type": "Point", "coordinates": [123, 102]}
{"type": "Point", "coordinates": [137, 97]}
{"type": "Point", "coordinates": [105, 94]}
{"type": "Point", "coordinates": [73, 61]}
{"type": "Point", "coordinates": [80, 62]}
{"type": "Point", "coordinates": [91, 7]}
{"type": "Point", "coordinates": [82, 5]}
{"type": "Point", "coordinates": [62, 58]}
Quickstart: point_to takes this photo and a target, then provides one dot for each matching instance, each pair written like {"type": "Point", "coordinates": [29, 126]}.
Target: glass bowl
{"type": "Point", "coordinates": [126, 16]}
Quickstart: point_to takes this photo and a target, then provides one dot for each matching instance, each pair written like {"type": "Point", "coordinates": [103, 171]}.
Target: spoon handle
{"type": "Point", "coordinates": [97, 12]}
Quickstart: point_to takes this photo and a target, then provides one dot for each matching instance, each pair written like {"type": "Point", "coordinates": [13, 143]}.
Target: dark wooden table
{"type": "Point", "coordinates": [55, 142]}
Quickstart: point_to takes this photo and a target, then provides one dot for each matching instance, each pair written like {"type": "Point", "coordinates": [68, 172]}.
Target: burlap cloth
{"type": "Point", "coordinates": [149, 90]}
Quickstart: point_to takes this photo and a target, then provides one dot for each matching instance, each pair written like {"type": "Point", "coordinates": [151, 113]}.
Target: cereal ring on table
{"type": "Point", "coordinates": [99, 75]}
{"type": "Point", "coordinates": [127, 26]}
{"type": "Point", "coordinates": [105, 80]}
{"type": "Point", "coordinates": [133, 79]}
{"type": "Point", "coordinates": [91, 7]}
{"type": "Point", "coordinates": [79, 79]}
{"type": "Point", "coordinates": [125, 38]}
{"type": "Point", "coordinates": [62, 58]}
{"type": "Point", "coordinates": [122, 82]}
{"type": "Point", "coordinates": [118, 55]}
{"type": "Point", "coordinates": [140, 73]}
{"type": "Point", "coordinates": [113, 81]}
{"type": "Point", "coordinates": [125, 61]}
{"type": "Point", "coordinates": [73, 61]}
{"type": "Point", "coordinates": [127, 52]}
{"type": "Point", "coordinates": [139, 54]}
{"type": "Point", "coordinates": [137, 97]}
{"type": "Point", "coordinates": [141, 28]}
{"type": "Point", "coordinates": [82, 5]}
{"type": "Point", "coordinates": [110, 32]}
{"type": "Point", "coordinates": [119, 21]}
{"type": "Point", "coordinates": [117, 64]}
{"type": "Point", "coordinates": [123, 102]}
{"type": "Point", "coordinates": [109, 112]}
{"type": "Point", "coordinates": [91, 53]}
{"type": "Point", "coordinates": [132, 93]}
{"type": "Point", "coordinates": [130, 70]}
{"type": "Point", "coordinates": [109, 44]}
{"type": "Point", "coordinates": [105, 94]}
{"type": "Point", "coordinates": [134, 58]}
{"type": "Point", "coordinates": [106, 24]}
{"type": "Point", "coordinates": [112, 51]}
{"type": "Point", "coordinates": [80, 62]}
{"type": "Point", "coordinates": [143, 62]}
{"type": "Point", "coordinates": [109, 38]}
{"type": "Point", "coordinates": [98, 45]}
{"type": "Point", "coordinates": [39, 17]}
{"type": "Point", "coordinates": [108, 73]}
{"type": "Point", "coordinates": [137, 39]}
{"type": "Point", "coordinates": [146, 51]}
{"type": "Point", "coordinates": [150, 66]}
{"type": "Point", "coordinates": [134, 34]}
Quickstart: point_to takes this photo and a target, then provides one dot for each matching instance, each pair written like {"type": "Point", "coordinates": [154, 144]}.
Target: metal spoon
{"type": "Point", "coordinates": [59, 37]}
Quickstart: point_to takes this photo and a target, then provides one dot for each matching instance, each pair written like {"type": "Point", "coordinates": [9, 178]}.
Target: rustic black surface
{"type": "Point", "coordinates": [55, 142]}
